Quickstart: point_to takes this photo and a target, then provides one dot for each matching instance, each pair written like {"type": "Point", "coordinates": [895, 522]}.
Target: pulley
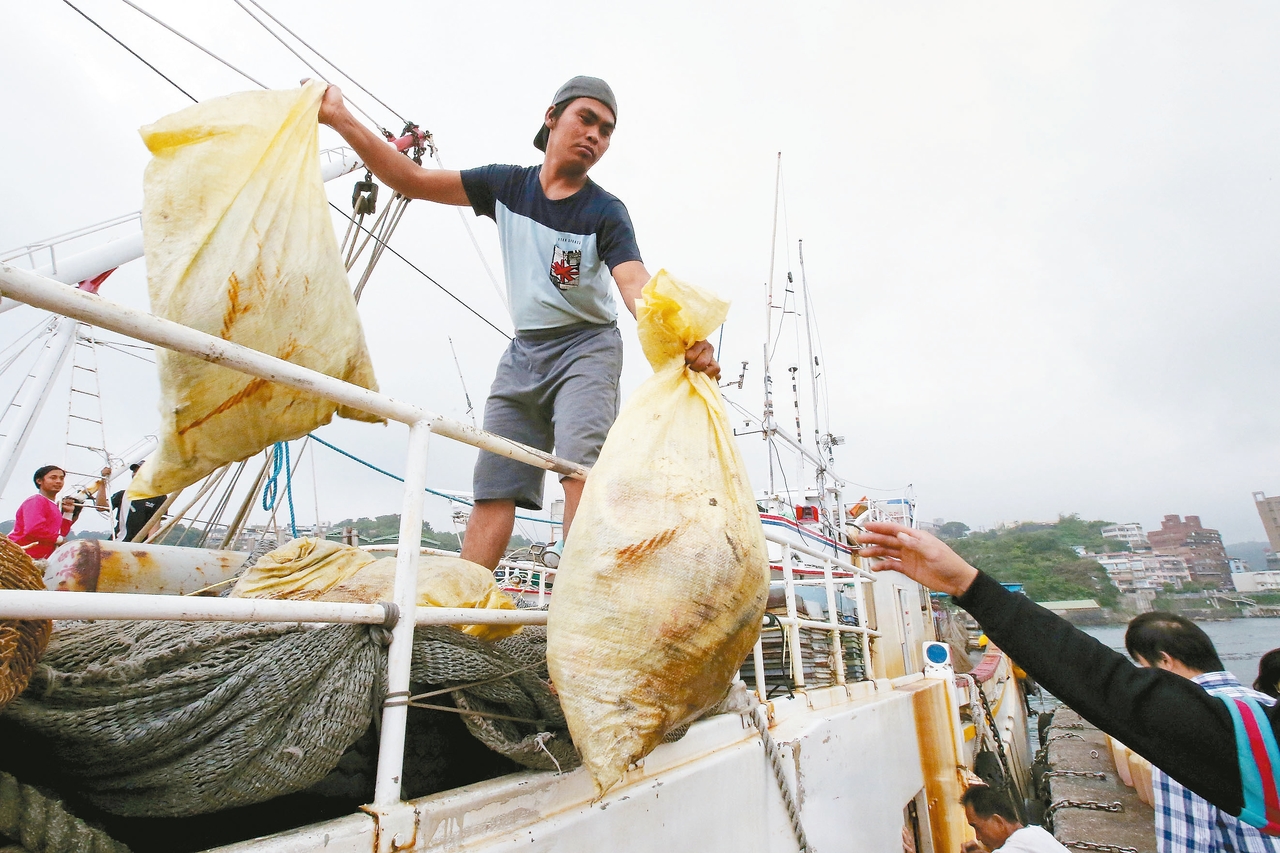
{"type": "Point", "coordinates": [364, 198]}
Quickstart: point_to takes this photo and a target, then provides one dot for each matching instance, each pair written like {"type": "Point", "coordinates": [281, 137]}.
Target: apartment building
{"type": "Point", "coordinates": [1131, 534]}
{"type": "Point", "coordinates": [1199, 546]}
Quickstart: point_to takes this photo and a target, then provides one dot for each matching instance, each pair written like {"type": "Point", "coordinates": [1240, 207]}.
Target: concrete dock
{"type": "Point", "coordinates": [1089, 807]}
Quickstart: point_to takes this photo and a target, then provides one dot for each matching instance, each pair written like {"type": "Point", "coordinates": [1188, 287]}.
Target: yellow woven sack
{"type": "Point", "coordinates": [239, 244]}
{"type": "Point", "coordinates": [314, 569]}
{"type": "Point", "coordinates": [304, 568]}
{"type": "Point", "coordinates": [664, 579]}
{"type": "Point", "coordinates": [442, 582]}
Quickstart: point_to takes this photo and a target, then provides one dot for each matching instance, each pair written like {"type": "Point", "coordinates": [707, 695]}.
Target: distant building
{"type": "Point", "coordinates": [1199, 546]}
{"type": "Point", "coordinates": [1131, 534]}
{"type": "Point", "coordinates": [1256, 581]}
{"type": "Point", "coordinates": [1237, 564]}
{"type": "Point", "coordinates": [1269, 512]}
{"type": "Point", "coordinates": [1076, 605]}
{"type": "Point", "coordinates": [1131, 572]}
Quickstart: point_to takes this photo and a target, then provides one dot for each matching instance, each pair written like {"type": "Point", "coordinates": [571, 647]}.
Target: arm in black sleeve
{"type": "Point", "coordinates": [1167, 719]}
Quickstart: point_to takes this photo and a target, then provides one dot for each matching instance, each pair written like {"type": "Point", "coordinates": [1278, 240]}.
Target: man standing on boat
{"type": "Point", "coordinates": [563, 238]}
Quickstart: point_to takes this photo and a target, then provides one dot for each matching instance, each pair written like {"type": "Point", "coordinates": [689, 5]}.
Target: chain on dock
{"type": "Point", "coordinates": [1098, 848]}
{"type": "Point", "coordinates": [1090, 805]}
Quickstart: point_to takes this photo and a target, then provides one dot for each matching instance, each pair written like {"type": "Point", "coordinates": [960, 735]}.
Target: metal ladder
{"type": "Point", "coordinates": [85, 429]}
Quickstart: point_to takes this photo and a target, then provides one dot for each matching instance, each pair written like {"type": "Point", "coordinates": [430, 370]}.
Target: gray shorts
{"type": "Point", "coordinates": [556, 391]}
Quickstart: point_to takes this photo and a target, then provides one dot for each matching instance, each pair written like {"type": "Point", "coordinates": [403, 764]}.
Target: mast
{"type": "Point", "coordinates": [461, 379]}
{"type": "Point", "coordinates": [767, 420]}
{"type": "Point", "coordinates": [34, 395]}
{"type": "Point", "coordinates": [808, 340]}
{"type": "Point", "coordinates": [818, 443]}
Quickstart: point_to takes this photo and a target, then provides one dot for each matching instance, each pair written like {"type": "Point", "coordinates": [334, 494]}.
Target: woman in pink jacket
{"type": "Point", "coordinates": [42, 523]}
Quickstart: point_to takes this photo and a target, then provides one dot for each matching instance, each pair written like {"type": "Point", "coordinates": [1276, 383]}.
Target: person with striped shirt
{"type": "Point", "coordinates": [1185, 821]}
{"type": "Point", "coordinates": [1223, 748]}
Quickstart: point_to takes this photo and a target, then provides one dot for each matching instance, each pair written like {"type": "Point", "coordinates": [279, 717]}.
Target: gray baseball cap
{"type": "Point", "coordinates": [578, 87]}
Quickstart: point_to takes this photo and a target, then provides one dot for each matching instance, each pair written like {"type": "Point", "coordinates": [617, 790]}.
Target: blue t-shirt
{"type": "Point", "coordinates": [556, 254]}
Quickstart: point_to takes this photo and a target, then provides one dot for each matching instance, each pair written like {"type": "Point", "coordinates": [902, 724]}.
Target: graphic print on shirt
{"type": "Point", "coordinates": [566, 260]}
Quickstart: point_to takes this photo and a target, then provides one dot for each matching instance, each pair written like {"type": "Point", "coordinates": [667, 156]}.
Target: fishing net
{"type": "Point", "coordinates": [151, 719]}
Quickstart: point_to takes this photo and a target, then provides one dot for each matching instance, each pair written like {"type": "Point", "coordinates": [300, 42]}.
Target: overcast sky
{"type": "Point", "coordinates": [1041, 238]}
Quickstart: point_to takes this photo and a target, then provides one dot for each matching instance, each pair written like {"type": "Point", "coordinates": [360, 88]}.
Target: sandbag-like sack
{"type": "Point", "coordinates": [663, 582]}
{"type": "Point", "coordinates": [239, 244]}
{"type": "Point", "coordinates": [301, 569]}
{"type": "Point", "coordinates": [442, 582]}
{"type": "Point", "coordinates": [310, 569]}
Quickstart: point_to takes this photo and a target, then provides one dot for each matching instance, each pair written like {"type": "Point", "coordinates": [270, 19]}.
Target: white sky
{"type": "Point", "coordinates": [1040, 236]}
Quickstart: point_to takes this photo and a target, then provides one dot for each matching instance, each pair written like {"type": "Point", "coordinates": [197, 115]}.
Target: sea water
{"type": "Point", "coordinates": [1241, 643]}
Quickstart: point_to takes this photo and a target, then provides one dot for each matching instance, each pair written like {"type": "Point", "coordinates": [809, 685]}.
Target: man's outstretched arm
{"type": "Point", "coordinates": [631, 277]}
{"type": "Point", "coordinates": [389, 165]}
{"type": "Point", "coordinates": [1169, 720]}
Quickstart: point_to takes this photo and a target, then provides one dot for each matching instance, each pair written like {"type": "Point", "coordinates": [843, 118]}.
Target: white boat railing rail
{"type": "Point", "coordinates": [851, 576]}
{"type": "Point", "coordinates": [392, 815]}
{"type": "Point", "coordinates": [41, 292]}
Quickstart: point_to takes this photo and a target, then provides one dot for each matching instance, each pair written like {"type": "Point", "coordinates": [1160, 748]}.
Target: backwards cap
{"type": "Point", "coordinates": [578, 87]}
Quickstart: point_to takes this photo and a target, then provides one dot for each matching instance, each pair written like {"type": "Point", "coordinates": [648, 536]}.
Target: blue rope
{"type": "Point", "coordinates": [448, 497]}
{"type": "Point", "coordinates": [288, 490]}
{"type": "Point", "coordinates": [271, 490]}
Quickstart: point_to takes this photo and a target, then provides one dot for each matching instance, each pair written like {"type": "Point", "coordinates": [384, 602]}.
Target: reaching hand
{"type": "Point", "coordinates": [918, 555]}
{"type": "Point", "coordinates": [701, 358]}
{"type": "Point", "coordinates": [972, 847]}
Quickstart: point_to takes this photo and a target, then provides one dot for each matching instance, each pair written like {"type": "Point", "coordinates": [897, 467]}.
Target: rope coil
{"type": "Point", "coordinates": [22, 641]}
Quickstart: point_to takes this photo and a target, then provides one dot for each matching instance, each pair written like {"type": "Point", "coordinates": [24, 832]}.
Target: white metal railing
{"type": "Point", "coordinates": [41, 292]}
{"type": "Point", "coordinates": [791, 624]}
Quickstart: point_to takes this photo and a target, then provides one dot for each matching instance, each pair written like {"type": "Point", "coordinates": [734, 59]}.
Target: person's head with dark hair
{"type": "Point", "coordinates": [991, 814]}
{"type": "Point", "coordinates": [1171, 642]}
{"type": "Point", "coordinates": [49, 479]}
{"type": "Point", "coordinates": [1268, 680]}
{"type": "Point", "coordinates": [135, 466]}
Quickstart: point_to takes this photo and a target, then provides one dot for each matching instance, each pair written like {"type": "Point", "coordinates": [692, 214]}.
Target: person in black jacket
{"type": "Point", "coordinates": [1172, 722]}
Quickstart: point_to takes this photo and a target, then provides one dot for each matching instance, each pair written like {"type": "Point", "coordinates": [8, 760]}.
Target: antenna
{"type": "Point", "coordinates": [813, 361]}
{"type": "Point", "coordinates": [463, 383]}
{"type": "Point", "coordinates": [767, 420]}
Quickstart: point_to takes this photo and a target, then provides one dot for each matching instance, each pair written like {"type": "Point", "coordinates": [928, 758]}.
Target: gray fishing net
{"type": "Point", "coordinates": [166, 719]}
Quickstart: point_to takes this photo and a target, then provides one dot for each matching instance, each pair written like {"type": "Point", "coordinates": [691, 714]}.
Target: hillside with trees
{"type": "Point", "coordinates": [1043, 558]}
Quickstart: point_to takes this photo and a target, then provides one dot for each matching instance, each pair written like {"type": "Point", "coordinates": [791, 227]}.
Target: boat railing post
{"type": "Point", "coordinates": [397, 823]}
{"type": "Point", "coordinates": [860, 601]}
{"type": "Point", "coordinates": [833, 614]}
{"type": "Point", "coordinates": [757, 658]}
{"type": "Point", "coordinates": [793, 618]}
